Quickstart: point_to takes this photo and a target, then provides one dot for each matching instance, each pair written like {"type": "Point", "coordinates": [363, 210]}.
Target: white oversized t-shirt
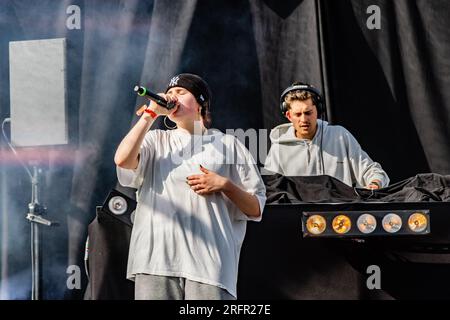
{"type": "Point", "coordinates": [177, 232]}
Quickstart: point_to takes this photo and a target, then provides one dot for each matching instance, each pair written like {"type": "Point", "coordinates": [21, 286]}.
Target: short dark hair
{"type": "Point", "coordinates": [206, 115]}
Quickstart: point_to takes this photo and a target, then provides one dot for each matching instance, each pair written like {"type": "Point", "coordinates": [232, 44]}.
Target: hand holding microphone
{"type": "Point", "coordinates": [160, 103]}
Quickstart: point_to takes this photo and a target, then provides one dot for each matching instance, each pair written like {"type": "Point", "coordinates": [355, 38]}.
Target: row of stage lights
{"type": "Point", "coordinates": [358, 223]}
{"type": "Point", "coordinates": [323, 224]}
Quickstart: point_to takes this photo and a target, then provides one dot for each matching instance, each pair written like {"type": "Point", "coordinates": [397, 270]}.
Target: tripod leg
{"type": "Point", "coordinates": [35, 263]}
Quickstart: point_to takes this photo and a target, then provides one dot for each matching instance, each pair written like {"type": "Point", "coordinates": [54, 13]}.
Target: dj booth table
{"type": "Point", "coordinates": [278, 263]}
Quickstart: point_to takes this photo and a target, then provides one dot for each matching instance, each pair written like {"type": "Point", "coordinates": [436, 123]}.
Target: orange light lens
{"type": "Point", "coordinates": [342, 224]}
{"type": "Point", "coordinates": [418, 222]}
{"type": "Point", "coordinates": [316, 224]}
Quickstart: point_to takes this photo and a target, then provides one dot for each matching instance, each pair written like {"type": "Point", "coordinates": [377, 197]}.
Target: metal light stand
{"type": "Point", "coordinates": [36, 210]}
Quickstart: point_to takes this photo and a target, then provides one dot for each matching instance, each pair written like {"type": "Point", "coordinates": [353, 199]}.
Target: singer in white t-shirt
{"type": "Point", "coordinates": [197, 188]}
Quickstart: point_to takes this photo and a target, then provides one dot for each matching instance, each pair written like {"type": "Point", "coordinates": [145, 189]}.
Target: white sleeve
{"type": "Point", "coordinates": [245, 173]}
{"type": "Point", "coordinates": [134, 178]}
{"type": "Point", "coordinates": [364, 168]}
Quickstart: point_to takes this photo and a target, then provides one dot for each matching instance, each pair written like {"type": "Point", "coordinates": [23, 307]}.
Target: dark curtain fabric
{"type": "Point", "coordinates": [287, 43]}
{"type": "Point", "coordinates": [387, 86]}
{"type": "Point", "coordinates": [326, 189]}
{"type": "Point", "coordinates": [281, 189]}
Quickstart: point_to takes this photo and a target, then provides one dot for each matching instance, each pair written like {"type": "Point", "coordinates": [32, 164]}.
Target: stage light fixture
{"type": "Point", "coordinates": [356, 224]}
{"type": "Point", "coordinates": [342, 224]}
{"type": "Point", "coordinates": [366, 223]}
{"type": "Point", "coordinates": [392, 223]}
{"type": "Point", "coordinates": [417, 222]}
{"type": "Point", "coordinates": [316, 224]}
{"type": "Point", "coordinates": [118, 205]}
{"type": "Point", "coordinates": [132, 216]}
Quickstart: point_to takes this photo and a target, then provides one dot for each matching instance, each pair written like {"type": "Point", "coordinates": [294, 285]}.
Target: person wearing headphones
{"type": "Point", "coordinates": [197, 188]}
{"type": "Point", "coordinates": [308, 146]}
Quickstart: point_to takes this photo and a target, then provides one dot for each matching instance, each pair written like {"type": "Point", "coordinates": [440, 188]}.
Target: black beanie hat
{"type": "Point", "coordinates": [195, 85]}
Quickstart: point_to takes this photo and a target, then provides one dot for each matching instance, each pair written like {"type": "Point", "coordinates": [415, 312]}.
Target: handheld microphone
{"type": "Point", "coordinates": [144, 92]}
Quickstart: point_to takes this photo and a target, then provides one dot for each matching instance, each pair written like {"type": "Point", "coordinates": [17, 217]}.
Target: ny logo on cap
{"type": "Point", "coordinates": [174, 81]}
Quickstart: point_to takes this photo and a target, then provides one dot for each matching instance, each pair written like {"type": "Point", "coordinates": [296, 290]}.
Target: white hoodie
{"type": "Point", "coordinates": [343, 157]}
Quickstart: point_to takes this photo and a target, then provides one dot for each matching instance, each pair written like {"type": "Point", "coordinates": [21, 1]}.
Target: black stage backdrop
{"type": "Point", "coordinates": [388, 86]}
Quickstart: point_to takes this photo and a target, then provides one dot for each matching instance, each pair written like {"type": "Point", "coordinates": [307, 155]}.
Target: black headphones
{"type": "Point", "coordinates": [317, 97]}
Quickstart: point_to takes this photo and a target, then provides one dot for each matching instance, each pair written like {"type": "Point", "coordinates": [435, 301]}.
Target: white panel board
{"type": "Point", "coordinates": [38, 92]}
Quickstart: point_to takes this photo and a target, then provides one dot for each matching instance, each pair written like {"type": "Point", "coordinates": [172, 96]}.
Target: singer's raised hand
{"type": "Point", "coordinates": [156, 108]}
{"type": "Point", "coordinates": [159, 110]}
